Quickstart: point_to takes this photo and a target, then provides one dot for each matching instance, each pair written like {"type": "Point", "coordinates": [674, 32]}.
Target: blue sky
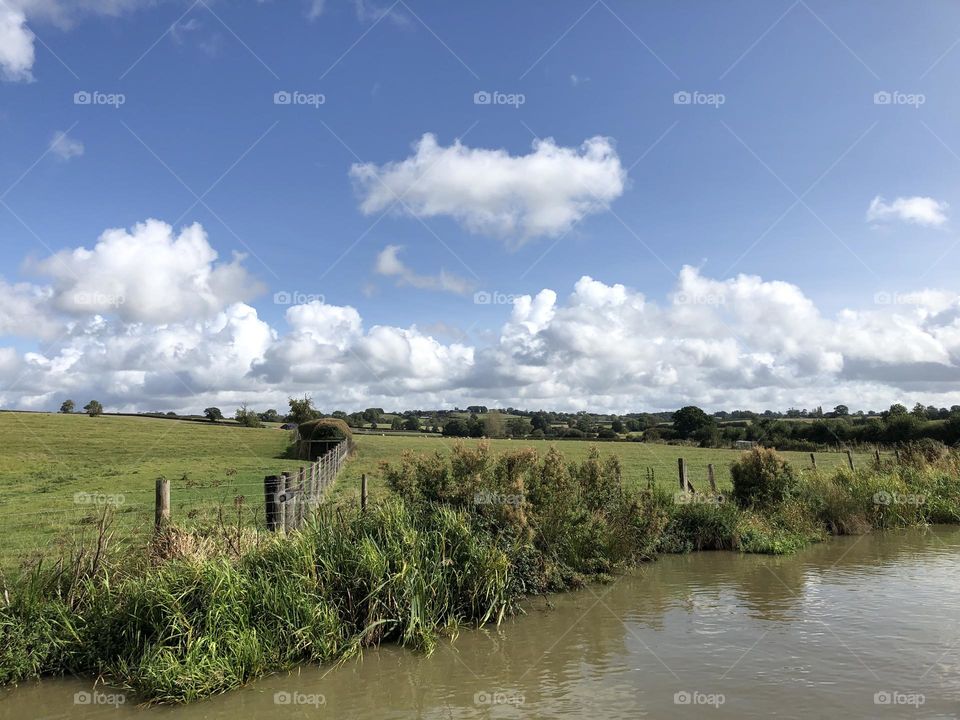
{"type": "Point", "coordinates": [774, 179]}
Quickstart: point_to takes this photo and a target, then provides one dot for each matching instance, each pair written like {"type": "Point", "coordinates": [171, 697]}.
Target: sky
{"type": "Point", "coordinates": [609, 206]}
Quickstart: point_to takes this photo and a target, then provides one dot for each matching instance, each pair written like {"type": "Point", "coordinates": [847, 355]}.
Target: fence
{"type": "Point", "coordinates": [289, 496]}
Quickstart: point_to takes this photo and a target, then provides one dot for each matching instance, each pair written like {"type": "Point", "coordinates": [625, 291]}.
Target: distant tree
{"type": "Point", "coordinates": [213, 414]}
{"type": "Point", "coordinates": [455, 427]}
{"type": "Point", "coordinates": [539, 421]}
{"type": "Point", "coordinates": [897, 409]}
{"type": "Point", "coordinates": [373, 415]}
{"type": "Point", "coordinates": [689, 420]}
{"type": "Point", "coordinates": [247, 417]}
{"type": "Point", "coordinates": [919, 411]}
{"type": "Point", "coordinates": [493, 424]}
{"type": "Point", "coordinates": [412, 424]}
{"type": "Point", "coordinates": [93, 408]}
{"type": "Point", "coordinates": [270, 416]}
{"type": "Point", "coordinates": [396, 423]}
{"type": "Point", "coordinates": [302, 410]}
{"type": "Point", "coordinates": [617, 426]}
{"type": "Point", "coordinates": [841, 411]}
{"type": "Point", "coordinates": [67, 407]}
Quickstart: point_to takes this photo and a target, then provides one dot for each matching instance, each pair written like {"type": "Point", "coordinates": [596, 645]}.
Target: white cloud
{"type": "Point", "coordinates": [16, 45]}
{"type": "Point", "coordinates": [543, 193]}
{"type": "Point", "coordinates": [389, 263]}
{"type": "Point", "coordinates": [64, 146]}
{"type": "Point", "coordinates": [737, 342]}
{"type": "Point", "coordinates": [17, 50]}
{"type": "Point", "coordinates": [148, 274]}
{"type": "Point", "coordinates": [916, 210]}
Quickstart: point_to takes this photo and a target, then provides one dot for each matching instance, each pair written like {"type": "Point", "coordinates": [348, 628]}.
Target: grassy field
{"type": "Point", "coordinates": [57, 470]}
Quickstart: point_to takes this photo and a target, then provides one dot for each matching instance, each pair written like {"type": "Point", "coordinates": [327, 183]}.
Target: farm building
{"type": "Point", "coordinates": [744, 444]}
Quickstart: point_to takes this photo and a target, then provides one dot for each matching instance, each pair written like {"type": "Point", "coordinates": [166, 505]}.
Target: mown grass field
{"type": "Point", "coordinates": [51, 464]}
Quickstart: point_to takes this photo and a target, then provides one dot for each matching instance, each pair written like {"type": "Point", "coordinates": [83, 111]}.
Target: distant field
{"type": "Point", "coordinates": [51, 465]}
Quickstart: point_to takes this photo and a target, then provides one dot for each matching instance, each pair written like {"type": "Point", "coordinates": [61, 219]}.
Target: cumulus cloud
{"type": "Point", "coordinates": [147, 274]}
{"type": "Point", "coordinates": [735, 342]}
{"type": "Point", "coordinates": [16, 45]}
{"type": "Point", "coordinates": [65, 147]}
{"type": "Point", "coordinates": [517, 197]}
{"type": "Point", "coordinates": [916, 210]}
{"type": "Point", "coordinates": [389, 263]}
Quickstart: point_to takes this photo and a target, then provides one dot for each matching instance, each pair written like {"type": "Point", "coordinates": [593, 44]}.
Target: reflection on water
{"type": "Point", "coordinates": [857, 627]}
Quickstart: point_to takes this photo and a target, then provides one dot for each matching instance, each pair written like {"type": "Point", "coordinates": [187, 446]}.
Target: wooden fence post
{"type": "Point", "coordinates": [712, 478]}
{"type": "Point", "coordinates": [282, 490]}
{"type": "Point", "coordinates": [301, 498]}
{"type": "Point", "coordinates": [271, 484]}
{"type": "Point", "coordinates": [162, 504]}
{"type": "Point", "coordinates": [813, 460]}
{"type": "Point", "coordinates": [363, 492]}
{"type": "Point", "coordinates": [682, 471]}
{"type": "Point", "coordinates": [876, 454]}
{"type": "Point", "coordinates": [850, 459]}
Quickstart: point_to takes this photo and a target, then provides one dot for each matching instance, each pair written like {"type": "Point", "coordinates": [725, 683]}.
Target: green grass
{"type": "Point", "coordinates": [45, 459]}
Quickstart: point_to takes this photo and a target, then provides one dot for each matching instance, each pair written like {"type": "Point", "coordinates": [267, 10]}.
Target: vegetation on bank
{"type": "Point", "coordinates": [463, 540]}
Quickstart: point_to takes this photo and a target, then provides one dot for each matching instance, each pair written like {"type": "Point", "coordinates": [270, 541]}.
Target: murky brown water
{"type": "Point", "coordinates": [855, 628]}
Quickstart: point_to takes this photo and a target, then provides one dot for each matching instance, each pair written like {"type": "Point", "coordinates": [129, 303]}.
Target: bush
{"type": "Point", "coordinates": [761, 477]}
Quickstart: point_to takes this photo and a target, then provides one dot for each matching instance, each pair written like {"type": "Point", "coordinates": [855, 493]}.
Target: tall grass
{"type": "Point", "coordinates": [464, 539]}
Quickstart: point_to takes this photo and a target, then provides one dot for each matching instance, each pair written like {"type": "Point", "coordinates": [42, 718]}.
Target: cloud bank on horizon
{"type": "Point", "coordinates": [151, 318]}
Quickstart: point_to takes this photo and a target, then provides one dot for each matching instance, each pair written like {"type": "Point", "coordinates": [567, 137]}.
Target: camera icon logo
{"type": "Point", "coordinates": [282, 97]}
{"type": "Point", "coordinates": [682, 698]}
{"type": "Point", "coordinates": [282, 698]}
{"type": "Point", "coordinates": [282, 298]}
{"type": "Point", "coordinates": [482, 97]}
{"type": "Point", "coordinates": [82, 698]}
{"type": "Point", "coordinates": [82, 97]}
{"type": "Point", "coordinates": [882, 98]}
{"type": "Point", "coordinates": [482, 297]}
{"type": "Point", "coordinates": [682, 97]}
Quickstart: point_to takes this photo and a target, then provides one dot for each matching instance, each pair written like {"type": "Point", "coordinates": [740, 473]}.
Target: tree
{"type": "Point", "coordinates": [617, 426]}
{"type": "Point", "coordinates": [67, 407]}
{"type": "Point", "coordinates": [539, 422]}
{"type": "Point", "coordinates": [412, 424]}
{"type": "Point", "coordinates": [689, 420]}
{"type": "Point", "coordinates": [919, 411]}
{"type": "Point", "coordinates": [897, 409]}
{"type": "Point", "coordinates": [493, 424]}
{"type": "Point", "coordinates": [93, 408]}
{"type": "Point", "coordinates": [396, 423]}
{"type": "Point", "coordinates": [373, 415]}
{"type": "Point", "coordinates": [213, 414]}
{"type": "Point", "coordinates": [302, 410]}
{"type": "Point", "coordinates": [841, 411]}
{"type": "Point", "coordinates": [270, 416]}
{"type": "Point", "coordinates": [248, 418]}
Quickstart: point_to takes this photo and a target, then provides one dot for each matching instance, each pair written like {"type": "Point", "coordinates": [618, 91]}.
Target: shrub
{"type": "Point", "coordinates": [763, 478]}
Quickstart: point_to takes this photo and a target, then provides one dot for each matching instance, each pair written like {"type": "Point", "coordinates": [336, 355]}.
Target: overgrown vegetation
{"type": "Point", "coordinates": [464, 538]}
